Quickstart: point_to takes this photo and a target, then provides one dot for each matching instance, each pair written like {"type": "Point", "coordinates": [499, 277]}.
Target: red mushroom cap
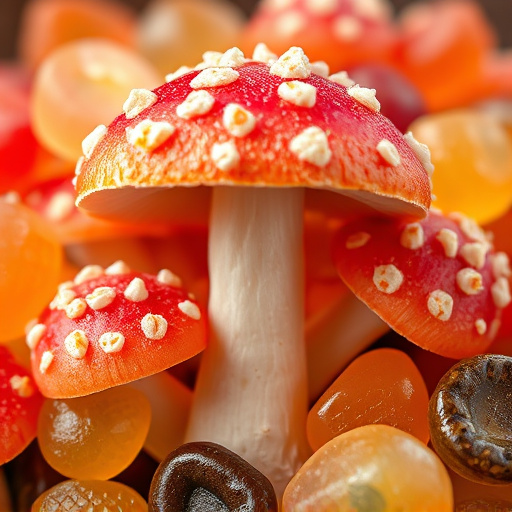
{"type": "Point", "coordinates": [20, 402]}
{"type": "Point", "coordinates": [112, 327]}
{"type": "Point", "coordinates": [437, 282]}
{"type": "Point", "coordinates": [249, 123]}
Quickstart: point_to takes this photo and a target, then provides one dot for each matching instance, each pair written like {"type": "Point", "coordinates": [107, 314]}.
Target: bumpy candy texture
{"type": "Point", "coordinates": [111, 327]}
{"type": "Point", "coordinates": [382, 386]}
{"type": "Point", "coordinates": [470, 418]}
{"type": "Point", "coordinates": [438, 282]}
{"type": "Point", "coordinates": [30, 266]}
{"type": "Point", "coordinates": [20, 402]}
{"type": "Point", "coordinates": [90, 496]}
{"type": "Point", "coordinates": [81, 85]}
{"type": "Point", "coordinates": [204, 476]}
{"type": "Point", "coordinates": [472, 155]}
{"type": "Point", "coordinates": [94, 437]}
{"type": "Point", "coordinates": [374, 468]}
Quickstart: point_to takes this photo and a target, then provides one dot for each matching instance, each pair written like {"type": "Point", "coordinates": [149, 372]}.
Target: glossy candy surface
{"type": "Point", "coordinates": [93, 496]}
{"type": "Point", "coordinates": [112, 326]}
{"type": "Point", "coordinates": [30, 266]}
{"type": "Point", "coordinates": [48, 24]}
{"type": "Point", "coordinates": [81, 85]}
{"type": "Point", "coordinates": [20, 402]}
{"type": "Point", "coordinates": [472, 155]}
{"type": "Point", "coordinates": [381, 386]}
{"type": "Point", "coordinates": [376, 468]}
{"type": "Point", "coordinates": [470, 418]}
{"type": "Point", "coordinates": [204, 476]}
{"type": "Point", "coordinates": [94, 437]}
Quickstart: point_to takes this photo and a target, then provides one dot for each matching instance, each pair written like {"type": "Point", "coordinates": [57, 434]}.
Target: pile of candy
{"type": "Point", "coordinates": [274, 280]}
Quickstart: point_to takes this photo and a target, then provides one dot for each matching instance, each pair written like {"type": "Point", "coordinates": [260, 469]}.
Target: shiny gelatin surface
{"type": "Point", "coordinates": [30, 266]}
{"type": "Point", "coordinates": [90, 496]}
{"type": "Point", "coordinates": [374, 468]}
{"type": "Point", "coordinates": [81, 85]}
{"type": "Point", "coordinates": [472, 156]}
{"type": "Point", "coordinates": [382, 386]}
{"type": "Point", "coordinates": [94, 437]}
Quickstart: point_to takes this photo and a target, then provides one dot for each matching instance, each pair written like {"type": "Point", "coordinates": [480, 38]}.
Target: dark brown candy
{"type": "Point", "coordinates": [204, 476]}
{"type": "Point", "coordinates": [470, 418]}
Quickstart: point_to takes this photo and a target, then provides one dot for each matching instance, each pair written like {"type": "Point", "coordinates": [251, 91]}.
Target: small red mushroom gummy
{"type": "Point", "coordinates": [112, 326]}
{"type": "Point", "coordinates": [438, 282]}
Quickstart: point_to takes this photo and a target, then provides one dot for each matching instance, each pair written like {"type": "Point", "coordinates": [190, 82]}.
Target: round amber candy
{"type": "Point", "coordinates": [472, 156]}
{"type": "Point", "coordinates": [30, 267]}
{"type": "Point", "coordinates": [380, 386]}
{"type": "Point", "coordinates": [93, 496]}
{"type": "Point", "coordinates": [81, 85]}
{"type": "Point", "coordinates": [94, 437]}
{"type": "Point", "coordinates": [375, 467]}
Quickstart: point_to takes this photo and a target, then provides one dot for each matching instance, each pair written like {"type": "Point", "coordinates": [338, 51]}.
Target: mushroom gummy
{"type": "Point", "coordinates": [470, 418]}
{"type": "Point", "coordinates": [254, 135]}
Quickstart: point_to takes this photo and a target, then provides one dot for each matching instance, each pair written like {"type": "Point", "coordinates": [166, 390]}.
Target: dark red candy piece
{"type": "Point", "coordinates": [206, 476]}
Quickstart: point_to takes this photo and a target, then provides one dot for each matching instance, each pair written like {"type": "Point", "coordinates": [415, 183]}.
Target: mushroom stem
{"type": "Point", "coordinates": [251, 393]}
{"type": "Point", "coordinates": [350, 327]}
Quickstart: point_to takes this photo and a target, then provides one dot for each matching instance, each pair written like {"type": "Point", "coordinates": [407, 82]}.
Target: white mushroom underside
{"type": "Point", "coordinates": [251, 394]}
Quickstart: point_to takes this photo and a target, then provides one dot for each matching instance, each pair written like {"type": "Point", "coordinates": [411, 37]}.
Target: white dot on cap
{"type": "Point", "coordinates": [237, 120]}
{"type": "Point", "coordinates": [225, 156]}
{"type": "Point", "coordinates": [214, 77]}
{"type": "Point", "coordinates": [388, 151]}
{"type": "Point", "coordinates": [440, 305]}
{"type": "Point", "coordinates": [298, 93]}
{"type": "Point", "coordinates": [93, 139]}
{"type": "Point", "coordinates": [190, 309]}
{"type": "Point", "coordinates": [292, 64]}
{"type": "Point", "coordinates": [365, 96]}
{"type": "Point", "coordinates": [312, 146]}
{"type": "Point", "coordinates": [138, 101]}
{"type": "Point", "coordinates": [387, 278]}
{"type": "Point", "coordinates": [149, 135]}
{"type": "Point", "coordinates": [197, 103]}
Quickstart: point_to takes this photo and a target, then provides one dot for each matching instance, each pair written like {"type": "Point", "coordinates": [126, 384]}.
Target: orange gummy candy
{"type": "Point", "coordinates": [375, 467]}
{"type": "Point", "coordinates": [94, 437]}
{"type": "Point", "coordinates": [93, 496]}
{"type": "Point", "coordinates": [30, 266]}
{"type": "Point", "coordinates": [472, 156]}
{"type": "Point", "coordinates": [381, 386]}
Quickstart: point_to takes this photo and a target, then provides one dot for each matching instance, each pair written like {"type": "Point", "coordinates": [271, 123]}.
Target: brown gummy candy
{"type": "Point", "coordinates": [206, 476]}
{"type": "Point", "coordinates": [470, 418]}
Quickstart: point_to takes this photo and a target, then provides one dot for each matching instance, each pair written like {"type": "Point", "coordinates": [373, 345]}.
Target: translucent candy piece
{"type": "Point", "coordinates": [376, 468]}
{"type": "Point", "coordinates": [30, 266]}
{"type": "Point", "coordinates": [192, 26]}
{"type": "Point", "coordinates": [48, 24]}
{"type": "Point", "coordinates": [381, 386]}
{"type": "Point", "coordinates": [472, 156]}
{"type": "Point", "coordinates": [207, 476]}
{"type": "Point", "coordinates": [81, 85]}
{"type": "Point", "coordinates": [90, 496]}
{"type": "Point", "coordinates": [94, 437]}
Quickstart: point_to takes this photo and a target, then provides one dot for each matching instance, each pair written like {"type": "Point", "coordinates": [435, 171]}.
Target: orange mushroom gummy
{"type": "Point", "coordinates": [112, 326]}
{"type": "Point", "coordinates": [257, 131]}
{"type": "Point", "coordinates": [438, 282]}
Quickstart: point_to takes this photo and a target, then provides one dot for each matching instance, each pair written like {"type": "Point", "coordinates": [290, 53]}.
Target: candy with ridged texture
{"type": "Point", "coordinates": [472, 156]}
{"type": "Point", "coordinates": [470, 419]}
{"type": "Point", "coordinates": [93, 496]}
{"type": "Point", "coordinates": [376, 468]}
{"type": "Point", "coordinates": [204, 476]}
{"type": "Point", "coordinates": [381, 386]}
{"type": "Point", "coordinates": [30, 266]}
{"type": "Point", "coordinates": [94, 437]}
